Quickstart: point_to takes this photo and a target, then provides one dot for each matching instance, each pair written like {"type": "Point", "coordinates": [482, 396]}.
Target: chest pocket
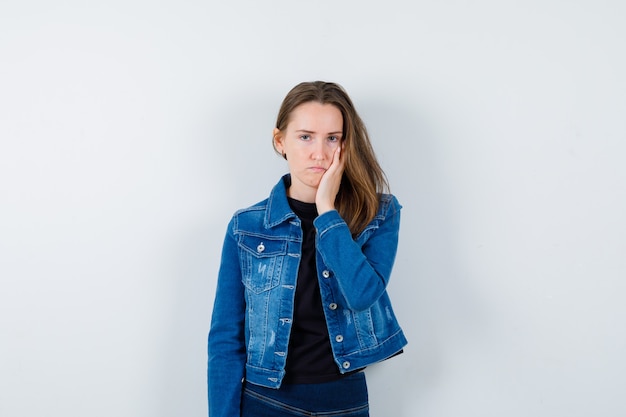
{"type": "Point", "coordinates": [261, 262]}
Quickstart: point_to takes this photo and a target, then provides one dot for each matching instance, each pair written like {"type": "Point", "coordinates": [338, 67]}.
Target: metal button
{"type": "Point", "coordinates": [346, 365]}
{"type": "Point", "coordinates": [260, 248]}
{"type": "Point", "coordinates": [339, 338]}
{"type": "Point", "coordinates": [332, 306]}
{"type": "Point", "coordinates": [325, 273]}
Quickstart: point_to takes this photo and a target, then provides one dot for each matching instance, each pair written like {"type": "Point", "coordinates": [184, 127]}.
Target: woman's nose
{"type": "Point", "coordinates": [318, 151]}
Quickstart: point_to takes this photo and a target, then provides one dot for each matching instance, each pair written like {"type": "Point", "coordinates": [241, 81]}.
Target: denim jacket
{"type": "Point", "coordinates": [254, 302]}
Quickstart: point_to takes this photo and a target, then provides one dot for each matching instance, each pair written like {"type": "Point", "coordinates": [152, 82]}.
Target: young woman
{"type": "Point", "coordinates": [301, 306]}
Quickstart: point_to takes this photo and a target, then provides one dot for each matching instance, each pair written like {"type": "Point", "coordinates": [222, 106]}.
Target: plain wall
{"type": "Point", "coordinates": [130, 131]}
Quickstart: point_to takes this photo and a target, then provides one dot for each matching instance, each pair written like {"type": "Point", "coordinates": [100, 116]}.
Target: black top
{"type": "Point", "coordinates": [310, 357]}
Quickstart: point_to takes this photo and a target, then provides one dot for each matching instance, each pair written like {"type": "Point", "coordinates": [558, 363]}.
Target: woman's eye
{"type": "Point", "coordinates": [305, 137]}
{"type": "Point", "coordinates": [333, 138]}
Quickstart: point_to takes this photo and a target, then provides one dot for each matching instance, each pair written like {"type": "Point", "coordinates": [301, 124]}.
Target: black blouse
{"type": "Point", "coordinates": [310, 357]}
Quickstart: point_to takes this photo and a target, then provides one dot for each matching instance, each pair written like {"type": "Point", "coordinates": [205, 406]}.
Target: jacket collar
{"type": "Point", "coordinates": [278, 209]}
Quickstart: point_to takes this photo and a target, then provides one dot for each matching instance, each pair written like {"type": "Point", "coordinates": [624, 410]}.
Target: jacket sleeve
{"type": "Point", "coordinates": [362, 272]}
{"type": "Point", "coordinates": [226, 344]}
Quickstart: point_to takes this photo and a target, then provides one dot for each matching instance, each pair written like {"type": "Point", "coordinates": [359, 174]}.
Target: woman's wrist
{"type": "Point", "coordinates": [324, 208]}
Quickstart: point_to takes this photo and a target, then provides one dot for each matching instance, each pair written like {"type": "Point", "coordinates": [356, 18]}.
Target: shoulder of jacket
{"type": "Point", "coordinates": [389, 205]}
{"type": "Point", "coordinates": [261, 206]}
{"type": "Point", "coordinates": [249, 218]}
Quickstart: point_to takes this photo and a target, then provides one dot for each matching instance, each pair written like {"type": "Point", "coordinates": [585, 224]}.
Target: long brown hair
{"type": "Point", "coordinates": [363, 179]}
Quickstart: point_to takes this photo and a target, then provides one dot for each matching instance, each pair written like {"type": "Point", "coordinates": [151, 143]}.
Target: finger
{"type": "Point", "coordinates": [337, 157]}
{"type": "Point", "coordinates": [333, 163]}
{"type": "Point", "coordinates": [339, 161]}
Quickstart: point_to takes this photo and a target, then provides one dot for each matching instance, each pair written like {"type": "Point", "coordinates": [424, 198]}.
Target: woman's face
{"type": "Point", "coordinates": [311, 138]}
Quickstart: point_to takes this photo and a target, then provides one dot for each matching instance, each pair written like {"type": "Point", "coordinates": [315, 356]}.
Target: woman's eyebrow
{"type": "Point", "coordinates": [339, 132]}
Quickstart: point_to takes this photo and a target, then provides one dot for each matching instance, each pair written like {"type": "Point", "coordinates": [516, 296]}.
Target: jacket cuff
{"type": "Point", "coordinates": [327, 221]}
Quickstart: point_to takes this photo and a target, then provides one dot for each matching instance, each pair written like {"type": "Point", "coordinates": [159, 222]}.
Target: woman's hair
{"type": "Point", "coordinates": [363, 179]}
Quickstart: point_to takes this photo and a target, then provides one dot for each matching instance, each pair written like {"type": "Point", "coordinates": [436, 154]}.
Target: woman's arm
{"type": "Point", "coordinates": [226, 349]}
{"type": "Point", "coordinates": [362, 273]}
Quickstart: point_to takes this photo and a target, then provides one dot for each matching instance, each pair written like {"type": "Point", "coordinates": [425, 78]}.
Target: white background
{"type": "Point", "coordinates": [131, 130]}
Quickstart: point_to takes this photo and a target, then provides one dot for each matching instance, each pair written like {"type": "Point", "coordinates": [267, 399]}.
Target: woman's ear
{"type": "Point", "coordinates": [278, 140]}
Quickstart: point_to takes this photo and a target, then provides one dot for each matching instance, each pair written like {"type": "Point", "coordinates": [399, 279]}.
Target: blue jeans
{"type": "Point", "coordinates": [346, 397]}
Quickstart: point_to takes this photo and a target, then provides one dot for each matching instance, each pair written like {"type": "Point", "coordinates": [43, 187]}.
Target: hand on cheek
{"type": "Point", "coordinates": [329, 184]}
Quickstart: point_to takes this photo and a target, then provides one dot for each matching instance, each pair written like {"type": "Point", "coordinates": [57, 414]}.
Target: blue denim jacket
{"type": "Point", "coordinates": [254, 302]}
